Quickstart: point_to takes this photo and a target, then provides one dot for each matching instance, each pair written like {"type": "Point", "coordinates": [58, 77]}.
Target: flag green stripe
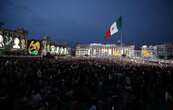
{"type": "Point", "coordinates": [119, 23]}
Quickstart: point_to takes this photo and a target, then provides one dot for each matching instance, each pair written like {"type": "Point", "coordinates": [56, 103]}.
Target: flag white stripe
{"type": "Point", "coordinates": [113, 28]}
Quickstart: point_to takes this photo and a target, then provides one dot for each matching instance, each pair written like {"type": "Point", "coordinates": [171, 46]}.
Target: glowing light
{"type": "Point", "coordinates": [1, 41]}
{"type": "Point", "coordinates": [16, 43]}
{"type": "Point", "coordinates": [34, 47]}
{"type": "Point", "coordinates": [52, 47]}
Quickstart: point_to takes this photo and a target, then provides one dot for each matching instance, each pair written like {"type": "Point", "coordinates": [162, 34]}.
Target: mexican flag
{"type": "Point", "coordinates": [115, 27]}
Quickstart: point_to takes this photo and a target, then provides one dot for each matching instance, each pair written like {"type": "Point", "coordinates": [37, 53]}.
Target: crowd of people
{"type": "Point", "coordinates": [84, 84]}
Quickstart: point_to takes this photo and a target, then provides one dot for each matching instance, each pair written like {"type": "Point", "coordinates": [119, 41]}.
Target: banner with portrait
{"type": "Point", "coordinates": [34, 47]}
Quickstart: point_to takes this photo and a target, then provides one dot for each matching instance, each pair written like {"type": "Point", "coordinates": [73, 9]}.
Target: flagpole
{"type": "Point", "coordinates": [121, 42]}
{"type": "Point", "coordinates": [121, 36]}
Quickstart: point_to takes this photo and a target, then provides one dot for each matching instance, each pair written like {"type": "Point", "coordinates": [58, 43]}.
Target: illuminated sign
{"type": "Point", "coordinates": [16, 43]}
{"type": "Point", "coordinates": [48, 48]}
{"type": "Point", "coordinates": [52, 49]}
{"type": "Point", "coordinates": [23, 44]}
{"type": "Point", "coordinates": [65, 51]}
{"type": "Point", "coordinates": [8, 40]}
{"type": "Point", "coordinates": [61, 50]}
{"type": "Point", "coordinates": [34, 48]}
{"type": "Point", "coordinates": [44, 43]}
{"type": "Point", "coordinates": [116, 52]}
{"type": "Point", "coordinates": [1, 41]}
{"type": "Point", "coordinates": [57, 50]}
{"type": "Point", "coordinates": [147, 53]}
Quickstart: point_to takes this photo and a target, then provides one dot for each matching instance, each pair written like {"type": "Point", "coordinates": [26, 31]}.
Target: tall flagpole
{"type": "Point", "coordinates": [121, 36]}
{"type": "Point", "coordinates": [121, 42]}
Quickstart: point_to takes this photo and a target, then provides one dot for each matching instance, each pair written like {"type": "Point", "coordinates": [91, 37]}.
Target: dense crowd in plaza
{"type": "Point", "coordinates": [80, 84]}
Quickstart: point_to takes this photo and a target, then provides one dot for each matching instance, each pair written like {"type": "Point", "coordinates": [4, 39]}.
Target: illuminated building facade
{"type": "Point", "coordinates": [148, 51]}
{"type": "Point", "coordinates": [165, 51]}
{"type": "Point", "coordinates": [83, 50]}
{"type": "Point", "coordinates": [58, 49]}
{"type": "Point", "coordinates": [103, 50]}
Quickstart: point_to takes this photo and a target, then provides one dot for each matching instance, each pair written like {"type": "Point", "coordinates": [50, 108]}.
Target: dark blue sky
{"type": "Point", "coordinates": [85, 21]}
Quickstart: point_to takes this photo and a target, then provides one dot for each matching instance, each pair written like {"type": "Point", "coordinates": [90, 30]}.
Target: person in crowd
{"type": "Point", "coordinates": [84, 84]}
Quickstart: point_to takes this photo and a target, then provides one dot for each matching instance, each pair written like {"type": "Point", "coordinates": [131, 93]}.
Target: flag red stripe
{"type": "Point", "coordinates": [107, 34]}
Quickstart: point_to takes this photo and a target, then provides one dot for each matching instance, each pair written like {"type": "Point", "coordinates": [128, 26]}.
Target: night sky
{"type": "Point", "coordinates": [85, 21]}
